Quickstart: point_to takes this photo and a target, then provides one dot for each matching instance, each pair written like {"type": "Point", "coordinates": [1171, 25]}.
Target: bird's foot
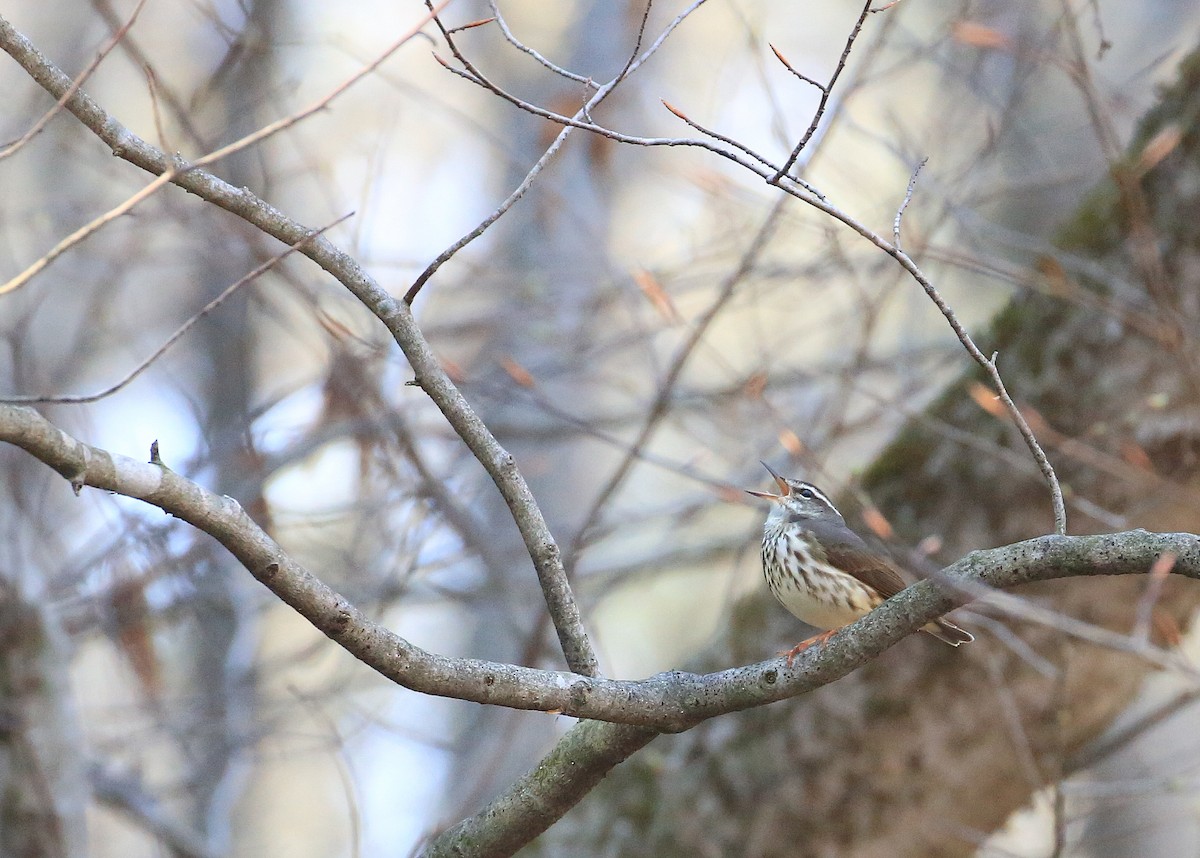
{"type": "Point", "coordinates": [805, 644]}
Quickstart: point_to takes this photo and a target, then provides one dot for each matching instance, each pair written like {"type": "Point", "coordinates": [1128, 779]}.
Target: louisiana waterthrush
{"type": "Point", "coordinates": [822, 571]}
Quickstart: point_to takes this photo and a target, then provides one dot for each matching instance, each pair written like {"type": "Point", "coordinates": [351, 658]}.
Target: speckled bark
{"type": "Point", "coordinates": [927, 749]}
{"type": "Point", "coordinates": [43, 786]}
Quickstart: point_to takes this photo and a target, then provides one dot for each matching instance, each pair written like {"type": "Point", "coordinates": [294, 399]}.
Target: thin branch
{"type": "Point", "coordinates": [583, 113]}
{"type": "Point", "coordinates": [707, 132]}
{"type": "Point", "coordinates": [525, 49]}
{"type": "Point", "coordinates": [988, 364]}
{"type": "Point", "coordinates": [538, 799]}
{"type": "Point", "coordinates": [471, 73]}
{"type": "Point", "coordinates": [826, 91]}
{"type": "Point", "coordinates": [668, 702]}
{"type": "Point", "coordinates": [113, 41]}
{"type": "Point", "coordinates": [395, 315]}
{"type": "Point", "coordinates": [1154, 585]}
{"type": "Point", "coordinates": [168, 176]}
{"type": "Point", "coordinates": [85, 231]}
{"type": "Point", "coordinates": [792, 69]}
{"type": "Point", "coordinates": [482, 22]}
{"type": "Point", "coordinates": [500, 210]}
{"type": "Point", "coordinates": [1039, 456]}
{"type": "Point", "coordinates": [126, 794]}
{"type": "Point", "coordinates": [908, 195]}
{"type": "Point", "coordinates": [1028, 611]}
{"type": "Point", "coordinates": [323, 102]}
{"type": "Point", "coordinates": [79, 399]}
{"type": "Point", "coordinates": [659, 407]}
{"type": "Point", "coordinates": [1099, 751]}
{"type": "Point", "coordinates": [778, 178]}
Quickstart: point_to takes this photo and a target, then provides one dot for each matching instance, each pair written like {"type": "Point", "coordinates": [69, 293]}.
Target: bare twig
{"type": "Point", "coordinates": [511, 200]}
{"type": "Point", "coordinates": [1039, 456]}
{"type": "Point", "coordinates": [756, 164]}
{"type": "Point", "coordinates": [395, 315]}
{"type": "Point", "coordinates": [525, 49]}
{"type": "Point", "coordinates": [1154, 584]}
{"type": "Point", "coordinates": [126, 794]}
{"type": "Point", "coordinates": [826, 90]}
{"type": "Point", "coordinates": [729, 141]}
{"type": "Point", "coordinates": [152, 86]}
{"type": "Point", "coordinates": [266, 266]}
{"type": "Point", "coordinates": [584, 113]}
{"type": "Point", "coordinates": [1026, 610]}
{"type": "Point", "coordinates": [908, 194]}
{"type": "Point", "coordinates": [113, 41]}
{"type": "Point", "coordinates": [87, 230]}
{"type": "Point", "coordinates": [323, 102]}
{"type": "Point", "coordinates": [169, 175]}
{"type": "Point", "coordinates": [668, 702]}
{"type": "Point", "coordinates": [471, 25]}
{"type": "Point", "coordinates": [658, 408]}
{"type": "Point", "coordinates": [1109, 745]}
{"type": "Point", "coordinates": [792, 69]}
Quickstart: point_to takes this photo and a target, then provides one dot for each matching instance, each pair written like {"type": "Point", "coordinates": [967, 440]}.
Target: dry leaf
{"type": "Point", "coordinates": [457, 374]}
{"type": "Point", "coordinates": [930, 545]}
{"type": "Point", "coordinates": [877, 523]}
{"type": "Point", "coordinates": [1158, 147]}
{"type": "Point", "coordinates": [791, 442]}
{"type": "Point", "coordinates": [1059, 283]}
{"type": "Point", "coordinates": [979, 36]}
{"type": "Point", "coordinates": [517, 372]}
{"type": "Point", "coordinates": [755, 385]}
{"type": "Point", "coordinates": [1133, 453]}
{"type": "Point", "coordinates": [1166, 629]}
{"type": "Point", "coordinates": [658, 296]}
{"type": "Point", "coordinates": [729, 494]}
{"type": "Point", "coordinates": [986, 399]}
{"type": "Point", "coordinates": [1038, 425]}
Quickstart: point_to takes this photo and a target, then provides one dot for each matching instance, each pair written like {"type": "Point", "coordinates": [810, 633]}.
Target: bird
{"type": "Point", "coordinates": [823, 572]}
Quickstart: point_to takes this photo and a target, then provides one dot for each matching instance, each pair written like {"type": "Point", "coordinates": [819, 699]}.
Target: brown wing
{"type": "Point", "coordinates": [845, 550]}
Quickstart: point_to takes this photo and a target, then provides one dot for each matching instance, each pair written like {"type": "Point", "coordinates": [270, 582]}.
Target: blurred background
{"type": "Point", "coordinates": [640, 329]}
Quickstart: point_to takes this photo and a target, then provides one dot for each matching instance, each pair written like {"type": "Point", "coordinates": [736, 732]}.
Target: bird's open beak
{"type": "Point", "coordinates": [784, 489]}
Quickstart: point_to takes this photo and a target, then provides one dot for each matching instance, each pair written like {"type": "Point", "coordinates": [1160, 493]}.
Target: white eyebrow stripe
{"type": "Point", "coordinates": [820, 494]}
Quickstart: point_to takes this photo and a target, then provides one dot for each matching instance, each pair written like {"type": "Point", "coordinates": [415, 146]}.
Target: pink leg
{"type": "Point", "coordinates": [805, 644]}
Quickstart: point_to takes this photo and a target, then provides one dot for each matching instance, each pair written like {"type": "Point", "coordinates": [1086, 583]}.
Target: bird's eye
{"type": "Point", "coordinates": [807, 493]}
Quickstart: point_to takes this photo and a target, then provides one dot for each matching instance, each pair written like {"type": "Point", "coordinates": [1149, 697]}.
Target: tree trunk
{"type": "Point", "coordinates": [928, 750]}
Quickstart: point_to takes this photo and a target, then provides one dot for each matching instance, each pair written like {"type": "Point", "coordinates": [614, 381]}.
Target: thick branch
{"type": "Point", "coordinates": [395, 315]}
{"type": "Point", "coordinates": [539, 799]}
{"type": "Point", "coordinates": [667, 702]}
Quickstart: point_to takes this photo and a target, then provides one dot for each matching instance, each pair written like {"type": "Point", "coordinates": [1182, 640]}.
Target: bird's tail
{"type": "Point", "coordinates": [946, 631]}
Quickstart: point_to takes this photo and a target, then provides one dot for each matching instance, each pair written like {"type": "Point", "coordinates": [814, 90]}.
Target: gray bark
{"type": "Point", "coordinates": [927, 750]}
